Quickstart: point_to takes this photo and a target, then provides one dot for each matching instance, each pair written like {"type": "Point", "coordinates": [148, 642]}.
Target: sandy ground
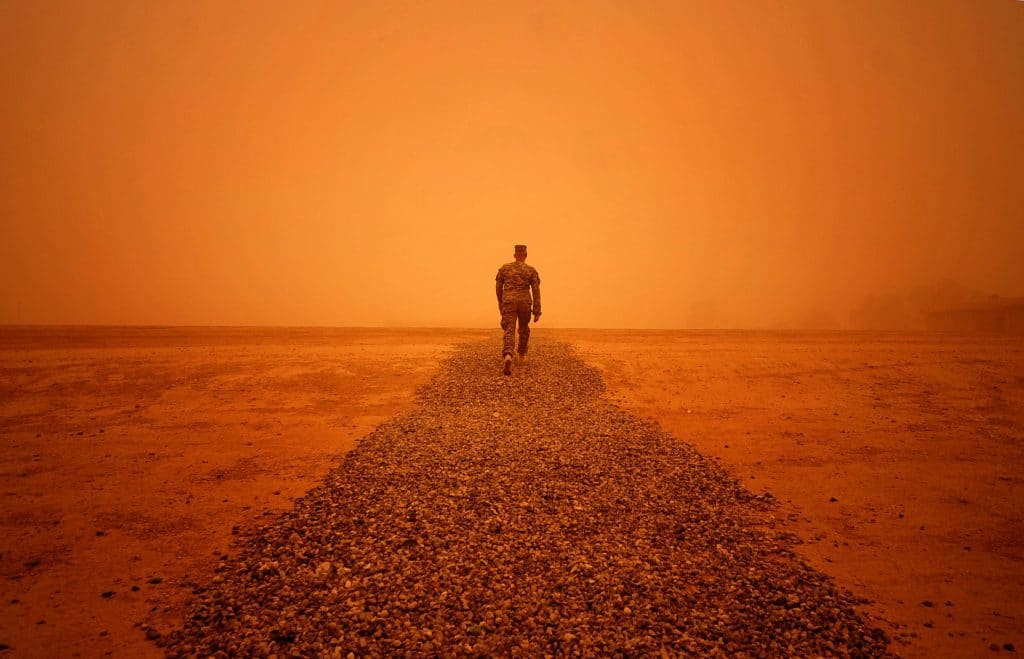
{"type": "Point", "coordinates": [898, 459]}
{"type": "Point", "coordinates": [129, 455]}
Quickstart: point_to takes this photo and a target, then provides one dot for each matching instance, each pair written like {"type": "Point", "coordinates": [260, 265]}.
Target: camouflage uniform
{"type": "Point", "coordinates": [513, 285]}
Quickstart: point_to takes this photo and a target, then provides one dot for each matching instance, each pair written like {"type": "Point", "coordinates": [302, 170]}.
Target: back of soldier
{"type": "Point", "coordinates": [516, 280]}
{"type": "Point", "coordinates": [518, 292]}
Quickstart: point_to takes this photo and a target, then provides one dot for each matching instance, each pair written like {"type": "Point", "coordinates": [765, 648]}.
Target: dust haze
{"type": "Point", "coordinates": [807, 165]}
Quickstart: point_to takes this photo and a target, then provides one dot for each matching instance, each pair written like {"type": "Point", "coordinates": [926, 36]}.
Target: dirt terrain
{"type": "Point", "coordinates": [898, 458]}
{"type": "Point", "coordinates": [130, 455]}
{"type": "Point", "coordinates": [523, 516]}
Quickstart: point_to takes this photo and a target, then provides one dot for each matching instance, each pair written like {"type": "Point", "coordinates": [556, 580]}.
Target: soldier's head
{"type": "Point", "coordinates": [520, 253]}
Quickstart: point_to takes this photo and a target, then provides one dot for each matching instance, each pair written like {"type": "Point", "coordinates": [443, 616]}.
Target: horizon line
{"type": "Point", "coordinates": [145, 326]}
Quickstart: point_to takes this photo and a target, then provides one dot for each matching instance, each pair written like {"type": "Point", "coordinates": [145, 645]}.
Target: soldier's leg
{"type": "Point", "coordinates": [524, 330]}
{"type": "Point", "coordinates": [508, 323]}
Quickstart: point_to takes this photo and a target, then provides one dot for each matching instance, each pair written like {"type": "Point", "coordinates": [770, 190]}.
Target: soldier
{"type": "Point", "coordinates": [513, 285]}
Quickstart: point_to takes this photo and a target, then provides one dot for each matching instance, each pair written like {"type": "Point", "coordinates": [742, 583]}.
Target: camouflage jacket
{"type": "Point", "coordinates": [517, 280]}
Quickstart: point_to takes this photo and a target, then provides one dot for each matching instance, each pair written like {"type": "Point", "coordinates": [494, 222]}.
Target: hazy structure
{"type": "Point", "coordinates": [359, 164]}
{"type": "Point", "coordinates": [999, 315]}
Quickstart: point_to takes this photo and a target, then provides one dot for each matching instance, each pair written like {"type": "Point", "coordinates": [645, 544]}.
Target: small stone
{"type": "Point", "coordinates": [928, 603]}
{"type": "Point", "coordinates": [436, 532]}
{"type": "Point", "coordinates": [107, 594]}
{"type": "Point", "coordinates": [155, 580]}
{"type": "Point", "coordinates": [152, 634]}
{"type": "Point", "coordinates": [1009, 647]}
{"type": "Point", "coordinates": [832, 499]}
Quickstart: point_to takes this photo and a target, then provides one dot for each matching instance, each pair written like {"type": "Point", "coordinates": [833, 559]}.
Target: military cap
{"type": "Point", "coordinates": [521, 248]}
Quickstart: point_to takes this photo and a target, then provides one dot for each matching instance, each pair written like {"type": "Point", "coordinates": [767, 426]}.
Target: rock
{"type": "Point", "coordinates": [570, 526]}
{"type": "Point", "coordinates": [107, 594]}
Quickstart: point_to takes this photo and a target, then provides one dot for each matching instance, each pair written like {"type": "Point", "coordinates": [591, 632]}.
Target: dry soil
{"type": "Point", "coordinates": [130, 456]}
{"type": "Point", "coordinates": [898, 458]}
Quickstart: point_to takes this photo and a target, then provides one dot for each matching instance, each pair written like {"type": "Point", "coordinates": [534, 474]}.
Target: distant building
{"type": "Point", "coordinates": [995, 314]}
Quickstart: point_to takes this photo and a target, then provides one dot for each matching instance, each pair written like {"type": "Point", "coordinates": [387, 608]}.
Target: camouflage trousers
{"type": "Point", "coordinates": [515, 312]}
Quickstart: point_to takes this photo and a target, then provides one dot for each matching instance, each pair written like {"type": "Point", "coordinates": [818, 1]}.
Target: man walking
{"type": "Point", "coordinates": [513, 285]}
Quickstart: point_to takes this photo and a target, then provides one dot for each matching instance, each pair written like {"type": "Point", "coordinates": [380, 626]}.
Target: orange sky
{"type": "Point", "coordinates": [669, 164]}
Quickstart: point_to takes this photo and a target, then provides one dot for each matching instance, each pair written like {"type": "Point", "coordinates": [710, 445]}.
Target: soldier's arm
{"type": "Point", "coordinates": [535, 288]}
{"type": "Point", "coordinates": [499, 280]}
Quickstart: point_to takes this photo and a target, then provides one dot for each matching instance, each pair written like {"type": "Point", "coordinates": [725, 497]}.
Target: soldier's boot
{"type": "Point", "coordinates": [508, 365]}
{"type": "Point", "coordinates": [522, 360]}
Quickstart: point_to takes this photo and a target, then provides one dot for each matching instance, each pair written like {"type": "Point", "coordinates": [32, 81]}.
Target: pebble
{"type": "Point", "coordinates": [570, 527]}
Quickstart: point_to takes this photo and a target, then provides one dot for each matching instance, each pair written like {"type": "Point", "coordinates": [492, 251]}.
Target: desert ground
{"type": "Point", "coordinates": [133, 457]}
{"type": "Point", "coordinates": [130, 455]}
{"type": "Point", "coordinates": [898, 459]}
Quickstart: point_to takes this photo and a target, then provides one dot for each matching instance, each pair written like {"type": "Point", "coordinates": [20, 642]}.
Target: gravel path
{"type": "Point", "coordinates": [523, 515]}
